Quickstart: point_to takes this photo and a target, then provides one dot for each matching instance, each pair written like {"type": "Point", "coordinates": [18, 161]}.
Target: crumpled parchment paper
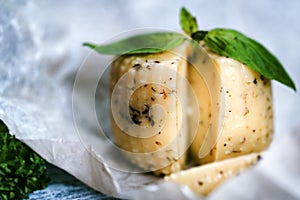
{"type": "Point", "coordinates": [37, 104]}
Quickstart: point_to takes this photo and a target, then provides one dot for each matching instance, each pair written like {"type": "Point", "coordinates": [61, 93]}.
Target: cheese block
{"type": "Point", "coordinates": [205, 79]}
{"type": "Point", "coordinates": [245, 123]}
{"type": "Point", "coordinates": [203, 179]}
{"type": "Point", "coordinates": [148, 97]}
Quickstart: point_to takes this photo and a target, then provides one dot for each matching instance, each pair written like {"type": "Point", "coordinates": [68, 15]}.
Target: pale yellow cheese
{"type": "Point", "coordinates": [203, 179]}
{"type": "Point", "coordinates": [247, 116]}
{"type": "Point", "coordinates": [234, 103]}
{"type": "Point", "coordinates": [152, 137]}
{"type": "Point", "coordinates": [204, 77]}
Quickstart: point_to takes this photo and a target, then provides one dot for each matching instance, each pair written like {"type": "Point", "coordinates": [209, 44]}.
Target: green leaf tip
{"type": "Point", "coordinates": [141, 44]}
{"type": "Point", "coordinates": [92, 46]}
{"type": "Point", "coordinates": [188, 22]}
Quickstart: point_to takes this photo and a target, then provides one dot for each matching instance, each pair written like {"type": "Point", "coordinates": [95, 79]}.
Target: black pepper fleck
{"type": "Point", "coordinates": [146, 111]}
{"type": "Point", "coordinates": [258, 157]}
{"type": "Point", "coordinates": [137, 67]}
{"type": "Point", "coordinates": [135, 119]}
{"type": "Point", "coordinates": [255, 81]}
{"type": "Point", "coordinates": [164, 94]}
{"type": "Point", "coordinates": [200, 183]}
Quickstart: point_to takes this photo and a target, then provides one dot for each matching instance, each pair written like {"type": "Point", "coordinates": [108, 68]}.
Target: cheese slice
{"type": "Point", "coordinates": [245, 123]}
{"type": "Point", "coordinates": [148, 97]}
{"type": "Point", "coordinates": [203, 179]}
{"type": "Point", "coordinates": [204, 77]}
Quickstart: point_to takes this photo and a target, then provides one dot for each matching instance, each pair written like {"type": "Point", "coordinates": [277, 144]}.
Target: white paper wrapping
{"type": "Point", "coordinates": [38, 66]}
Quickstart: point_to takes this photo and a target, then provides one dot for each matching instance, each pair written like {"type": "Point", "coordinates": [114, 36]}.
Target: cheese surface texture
{"type": "Point", "coordinates": [153, 115]}
{"type": "Point", "coordinates": [247, 119]}
{"type": "Point", "coordinates": [151, 125]}
{"type": "Point", "coordinates": [203, 179]}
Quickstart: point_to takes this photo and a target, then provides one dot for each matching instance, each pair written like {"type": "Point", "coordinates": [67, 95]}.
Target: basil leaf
{"type": "Point", "coordinates": [233, 44]}
{"type": "Point", "coordinates": [188, 22]}
{"type": "Point", "coordinates": [199, 35]}
{"type": "Point", "coordinates": [140, 44]}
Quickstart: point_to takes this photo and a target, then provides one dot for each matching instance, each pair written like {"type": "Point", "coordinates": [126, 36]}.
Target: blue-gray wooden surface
{"type": "Point", "coordinates": [65, 187]}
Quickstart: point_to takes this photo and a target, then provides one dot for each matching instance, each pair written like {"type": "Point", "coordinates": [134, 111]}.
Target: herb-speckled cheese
{"type": "Point", "coordinates": [203, 179]}
{"type": "Point", "coordinates": [164, 152]}
{"type": "Point", "coordinates": [248, 116]}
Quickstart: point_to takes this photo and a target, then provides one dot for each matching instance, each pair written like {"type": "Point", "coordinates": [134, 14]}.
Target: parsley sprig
{"type": "Point", "coordinates": [22, 171]}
